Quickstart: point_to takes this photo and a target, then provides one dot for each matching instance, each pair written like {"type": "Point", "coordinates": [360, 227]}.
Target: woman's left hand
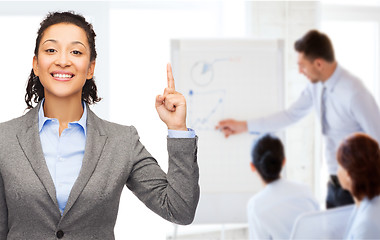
{"type": "Point", "coordinates": [171, 106]}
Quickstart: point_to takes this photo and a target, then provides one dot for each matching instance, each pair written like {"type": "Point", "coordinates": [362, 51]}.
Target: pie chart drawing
{"type": "Point", "coordinates": [202, 72]}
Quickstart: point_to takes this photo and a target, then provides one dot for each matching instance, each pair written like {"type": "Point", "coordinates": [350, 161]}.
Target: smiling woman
{"type": "Point", "coordinates": [81, 44]}
{"type": "Point", "coordinates": [62, 169]}
{"type": "Point", "coordinates": [63, 64]}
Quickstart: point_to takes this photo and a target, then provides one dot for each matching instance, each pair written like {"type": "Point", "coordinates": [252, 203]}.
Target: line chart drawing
{"type": "Point", "coordinates": [205, 109]}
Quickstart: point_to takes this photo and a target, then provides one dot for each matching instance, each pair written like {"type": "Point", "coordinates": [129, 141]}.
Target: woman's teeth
{"type": "Point", "coordinates": [57, 75]}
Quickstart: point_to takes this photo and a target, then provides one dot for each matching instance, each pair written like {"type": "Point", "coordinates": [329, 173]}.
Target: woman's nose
{"type": "Point", "coordinates": [63, 60]}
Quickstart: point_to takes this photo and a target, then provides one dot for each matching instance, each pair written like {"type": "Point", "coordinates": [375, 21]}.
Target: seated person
{"type": "Point", "coordinates": [273, 211]}
{"type": "Point", "coordinates": [359, 173]}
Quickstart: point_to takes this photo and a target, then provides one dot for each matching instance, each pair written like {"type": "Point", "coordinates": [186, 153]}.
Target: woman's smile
{"type": "Point", "coordinates": [62, 75]}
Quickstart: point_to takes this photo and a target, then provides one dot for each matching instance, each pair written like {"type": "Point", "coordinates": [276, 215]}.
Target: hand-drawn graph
{"type": "Point", "coordinates": [202, 72]}
{"type": "Point", "coordinates": [221, 78]}
{"type": "Point", "coordinates": [205, 109]}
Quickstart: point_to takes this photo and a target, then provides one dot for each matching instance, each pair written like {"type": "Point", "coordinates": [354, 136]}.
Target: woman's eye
{"type": "Point", "coordinates": [76, 52]}
{"type": "Point", "coordinates": [50, 50]}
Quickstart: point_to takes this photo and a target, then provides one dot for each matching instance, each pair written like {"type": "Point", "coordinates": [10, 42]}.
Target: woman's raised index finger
{"type": "Point", "coordinates": [170, 76]}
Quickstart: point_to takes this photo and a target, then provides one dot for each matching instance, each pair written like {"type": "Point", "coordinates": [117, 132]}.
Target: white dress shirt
{"type": "Point", "coordinates": [273, 211]}
{"type": "Point", "coordinates": [364, 222]}
{"type": "Point", "coordinates": [349, 108]}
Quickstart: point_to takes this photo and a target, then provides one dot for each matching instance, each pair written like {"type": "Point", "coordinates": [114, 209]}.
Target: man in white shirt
{"type": "Point", "coordinates": [341, 101]}
{"type": "Point", "coordinates": [273, 211]}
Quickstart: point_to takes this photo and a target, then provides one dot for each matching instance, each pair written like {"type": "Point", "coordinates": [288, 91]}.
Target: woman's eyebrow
{"type": "Point", "coordinates": [49, 40]}
{"type": "Point", "coordinates": [78, 42]}
{"type": "Point", "coordinates": [55, 41]}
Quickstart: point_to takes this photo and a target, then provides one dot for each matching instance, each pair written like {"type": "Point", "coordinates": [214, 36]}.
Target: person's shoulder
{"type": "Point", "coordinates": [258, 200]}
{"type": "Point", "coordinates": [13, 125]}
{"type": "Point", "coordinates": [350, 83]}
{"type": "Point", "coordinates": [372, 208]}
{"type": "Point", "coordinates": [12, 128]}
{"type": "Point", "coordinates": [115, 127]}
{"type": "Point", "coordinates": [293, 183]}
{"type": "Point", "coordinates": [253, 204]}
{"type": "Point", "coordinates": [367, 224]}
{"type": "Point", "coordinates": [111, 128]}
{"type": "Point", "coordinates": [296, 188]}
{"type": "Point", "coordinates": [10, 123]}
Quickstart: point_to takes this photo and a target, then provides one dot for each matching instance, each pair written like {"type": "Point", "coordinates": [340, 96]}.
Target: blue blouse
{"type": "Point", "coordinates": [364, 222]}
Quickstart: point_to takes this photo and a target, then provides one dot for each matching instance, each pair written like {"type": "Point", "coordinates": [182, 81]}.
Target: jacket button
{"type": "Point", "coordinates": [60, 234]}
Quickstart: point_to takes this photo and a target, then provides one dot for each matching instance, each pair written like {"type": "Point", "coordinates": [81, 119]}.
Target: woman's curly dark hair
{"type": "Point", "coordinates": [34, 88]}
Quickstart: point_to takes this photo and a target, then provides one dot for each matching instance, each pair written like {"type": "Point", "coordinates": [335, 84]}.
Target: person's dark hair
{"type": "Point", "coordinates": [315, 45]}
{"type": "Point", "coordinates": [267, 157]}
{"type": "Point", "coordinates": [34, 89]}
{"type": "Point", "coordinates": [360, 156]}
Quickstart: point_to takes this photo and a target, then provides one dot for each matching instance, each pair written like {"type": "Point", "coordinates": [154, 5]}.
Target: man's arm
{"type": "Point", "coordinates": [367, 113]}
{"type": "Point", "coordinates": [272, 123]}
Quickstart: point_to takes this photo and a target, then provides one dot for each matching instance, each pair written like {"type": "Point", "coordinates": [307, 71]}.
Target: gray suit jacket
{"type": "Point", "coordinates": [113, 157]}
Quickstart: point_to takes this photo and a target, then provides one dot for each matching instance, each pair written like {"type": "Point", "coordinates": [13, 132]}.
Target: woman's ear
{"type": "Point", "coordinates": [35, 66]}
{"type": "Point", "coordinates": [253, 168]}
{"type": "Point", "coordinates": [348, 183]}
{"type": "Point", "coordinates": [91, 69]}
{"type": "Point", "coordinates": [283, 162]}
{"type": "Point", "coordinates": [349, 180]}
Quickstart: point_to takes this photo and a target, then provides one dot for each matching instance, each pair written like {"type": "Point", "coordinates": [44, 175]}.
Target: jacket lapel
{"type": "Point", "coordinates": [29, 140]}
{"type": "Point", "coordinates": [95, 141]}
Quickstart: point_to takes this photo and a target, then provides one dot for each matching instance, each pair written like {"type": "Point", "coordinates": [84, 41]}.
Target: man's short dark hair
{"type": "Point", "coordinates": [315, 45]}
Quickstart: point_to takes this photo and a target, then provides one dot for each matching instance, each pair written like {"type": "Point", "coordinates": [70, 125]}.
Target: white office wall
{"type": "Point", "coordinates": [290, 20]}
{"type": "Point", "coordinates": [354, 29]}
{"type": "Point", "coordinates": [356, 48]}
{"type": "Point", "coordinates": [16, 51]}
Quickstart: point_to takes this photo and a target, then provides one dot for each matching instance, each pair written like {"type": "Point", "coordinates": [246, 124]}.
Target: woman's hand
{"type": "Point", "coordinates": [171, 106]}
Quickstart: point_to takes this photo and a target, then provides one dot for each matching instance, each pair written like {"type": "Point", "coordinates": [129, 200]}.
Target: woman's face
{"type": "Point", "coordinates": [63, 61]}
{"type": "Point", "coordinates": [344, 178]}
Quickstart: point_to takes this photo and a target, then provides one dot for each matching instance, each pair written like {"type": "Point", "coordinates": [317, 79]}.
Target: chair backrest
{"type": "Point", "coordinates": [327, 224]}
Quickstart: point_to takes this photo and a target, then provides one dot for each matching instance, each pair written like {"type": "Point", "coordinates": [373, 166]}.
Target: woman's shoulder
{"type": "Point", "coordinates": [108, 127]}
{"type": "Point", "coordinates": [367, 223]}
{"type": "Point", "coordinates": [117, 128]}
{"type": "Point", "coordinates": [16, 124]}
{"type": "Point", "coordinates": [371, 208]}
{"type": "Point", "coordinates": [10, 123]}
{"type": "Point", "coordinates": [295, 185]}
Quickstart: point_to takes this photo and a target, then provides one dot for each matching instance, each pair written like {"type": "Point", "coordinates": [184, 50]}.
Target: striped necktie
{"type": "Point", "coordinates": [323, 111]}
